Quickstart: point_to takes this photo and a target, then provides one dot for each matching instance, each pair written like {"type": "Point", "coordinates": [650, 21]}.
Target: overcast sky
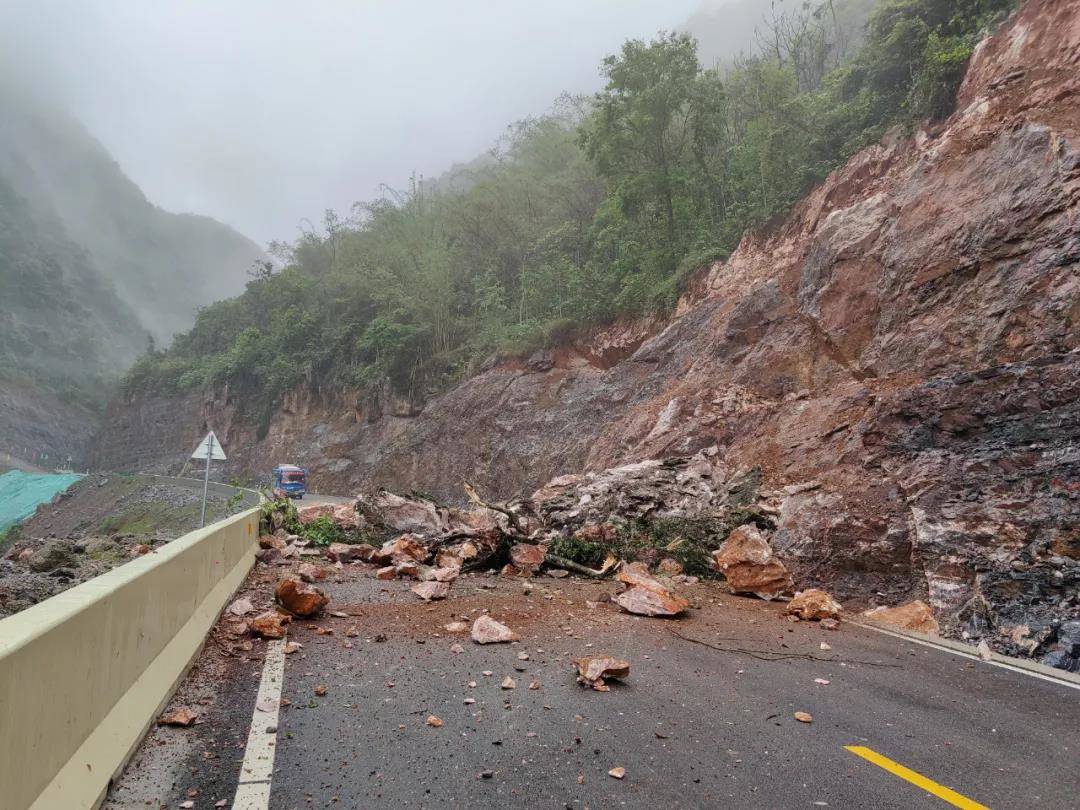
{"type": "Point", "coordinates": [263, 112]}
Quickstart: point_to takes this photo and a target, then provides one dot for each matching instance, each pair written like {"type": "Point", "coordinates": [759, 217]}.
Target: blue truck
{"type": "Point", "coordinates": [290, 481]}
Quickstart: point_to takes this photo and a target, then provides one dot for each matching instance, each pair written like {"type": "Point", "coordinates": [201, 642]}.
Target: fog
{"type": "Point", "coordinates": [264, 112]}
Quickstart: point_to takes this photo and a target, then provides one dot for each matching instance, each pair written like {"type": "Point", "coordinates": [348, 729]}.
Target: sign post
{"type": "Point", "coordinates": [209, 448]}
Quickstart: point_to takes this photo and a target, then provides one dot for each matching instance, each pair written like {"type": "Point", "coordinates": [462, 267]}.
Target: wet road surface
{"type": "Point", "coordinates": [693, 726]}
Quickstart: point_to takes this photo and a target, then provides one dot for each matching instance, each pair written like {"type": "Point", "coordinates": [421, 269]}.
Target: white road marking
{"type": "Point", "coordinates": [258, 767]}
{"type": "Point", "coordinates": [972, 656]}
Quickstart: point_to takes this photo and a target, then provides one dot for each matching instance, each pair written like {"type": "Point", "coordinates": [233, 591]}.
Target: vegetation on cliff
{"type": "Point", "coordinates": [599, 209]}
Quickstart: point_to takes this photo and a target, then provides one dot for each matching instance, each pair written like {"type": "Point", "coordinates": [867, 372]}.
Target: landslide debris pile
{"type": "Point", "coordinates": [652, 526]}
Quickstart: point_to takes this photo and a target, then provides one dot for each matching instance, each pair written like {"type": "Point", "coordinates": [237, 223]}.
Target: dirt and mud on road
{"type": "Point", "coordinates": [100, 522]}
{"type": "Point", "coordinates": [387, 699]}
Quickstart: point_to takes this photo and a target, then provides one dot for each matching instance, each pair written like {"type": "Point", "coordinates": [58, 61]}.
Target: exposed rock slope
{"type": "Point", "coordinates": [899, 359]}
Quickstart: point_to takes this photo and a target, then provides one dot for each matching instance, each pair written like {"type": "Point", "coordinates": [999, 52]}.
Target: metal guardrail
{"type": "Point", "coordinates": [84, 673]}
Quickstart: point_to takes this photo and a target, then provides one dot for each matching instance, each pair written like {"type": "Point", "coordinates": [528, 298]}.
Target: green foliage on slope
{"type": "Point", "coordinates": [598, 210]}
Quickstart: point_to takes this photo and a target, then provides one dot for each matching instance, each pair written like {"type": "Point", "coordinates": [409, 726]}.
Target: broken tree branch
{"type": "Point", "coordinates": [569, 565]}
{"type": "Point", "coordinates": [515, 524]}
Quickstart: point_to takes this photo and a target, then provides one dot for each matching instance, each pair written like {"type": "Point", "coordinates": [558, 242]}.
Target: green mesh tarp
{"type": "Point", "coordinates": [20, 493]}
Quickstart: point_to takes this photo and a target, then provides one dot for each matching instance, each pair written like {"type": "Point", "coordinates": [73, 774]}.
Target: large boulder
{"type": "Point", "coordinates": [915, 615]}
{"type": "Point", "coordinates": [748, 563]}
{"type": "Point", "coordinates": [299, 598]}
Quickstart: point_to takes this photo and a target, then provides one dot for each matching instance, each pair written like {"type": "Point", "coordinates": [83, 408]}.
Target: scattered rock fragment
{"type": "Point", "coordinates": [241, 607]}
{"type": "Point", "coordinates": [433, 721]}
{"type": "Point", "coordinates": [299, 598]}
{"type": "Point", "coordinates": [178, 717]}
{"type": "Point", "coordinates": [594, 670]}
{"type": "Point", "coordinates": [456, 627]}
{"type": "Point", "coordinates": [747, 562]}
{"type": "Point", "coordinates": [292, 647]}
{"type": "Point", "coordinates": [508, 683]}
{"type": "Point", "coordinates": [270, 624]}
{"type": "Point", "coordinates": [617, 772]}
{"type": "Point", "coordinates": [388, 572]}
{"type": "Point", "coordinates": [915, 615]}
{"type": "Point", "coordinates": [486, 630]}
{"type": "Point", "coordinates": [830, 624]}
{"type": "Point", "coordinates": [139, 549]}
{"type": "Point", "coordinates": [813, 605]}
{"type": "Point", "coordinates": [648, 602]}
{"type": "Point", "coordinates": [804, 717]}
{"type": "Point", "coordinates": [431, 590]}
{"type": "Point", "coordinates": [311, 573]}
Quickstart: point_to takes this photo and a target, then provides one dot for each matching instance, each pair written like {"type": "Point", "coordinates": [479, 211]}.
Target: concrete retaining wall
{"type": "Point", "coordinates": [83, 674]}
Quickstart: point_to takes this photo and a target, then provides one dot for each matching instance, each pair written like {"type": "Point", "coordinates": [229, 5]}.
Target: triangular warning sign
{"type": "Point", "coordinates": [209, 445]}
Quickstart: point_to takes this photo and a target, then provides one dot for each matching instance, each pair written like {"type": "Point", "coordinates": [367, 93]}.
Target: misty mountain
{"type": "Point", "coordinates": [89, 271]}
{"type": "Point", "coordinates": [163, 266]}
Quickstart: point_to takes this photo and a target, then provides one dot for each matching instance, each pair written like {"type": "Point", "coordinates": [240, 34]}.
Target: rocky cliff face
{"type": "Point", "coordinates": [898, 361]}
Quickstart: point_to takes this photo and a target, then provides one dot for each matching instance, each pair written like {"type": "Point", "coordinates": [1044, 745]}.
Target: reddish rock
{"type": "Point", "coordinates": [486, 630]}
{"type": "Point", "coordinates": [651, 602]}
{"type": "Point", "coordinates": [431, 590]}
{"type": "Point", "coordinates": [311, 573]}
{"type": "Point", "coordinates": [456, 555]}
{"type": "Point", "coordinates": [345, 516]}
{"type": "Point", "coordinates": [389, 572]}
{"type": "Point", "coordinates": [299, 598]}
{"type": "Point", "coordinates": [637, 574]}
{"type": "Point", "coordinates": [914, 615]}
{"type": "Point", "coordinates": [270, 624]}
{"type": "Point", "coordinates": [404, 549]}
{"type": "Point", "coordinates": [139, 549]}
{"type": "Point", "coordinates": [747, 561]}
{"type": "Point", "coordinates": [409, 568]}
{"type": "Point", "coordinates": [457, 627]}
{"type": "Point", "coordinates": [445, 574]}
{"type": "Point", "coordinates": [271, 541]}
{"type": "Point", "coordinates": [813, 605]}
{"type": "Point", "coordinates": [178, 717]}
{"type": "Point", "coordinates": [527, 557]}
{"type": "Point", "coordinates": [595, 670]}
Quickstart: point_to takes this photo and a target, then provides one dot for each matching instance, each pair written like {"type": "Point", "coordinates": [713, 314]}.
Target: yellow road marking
{"type": "Point", "coordinates": [917, 779]}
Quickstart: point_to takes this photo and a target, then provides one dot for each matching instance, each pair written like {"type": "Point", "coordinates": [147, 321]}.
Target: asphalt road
{"type": "Point", "coordinates": [693, 726]}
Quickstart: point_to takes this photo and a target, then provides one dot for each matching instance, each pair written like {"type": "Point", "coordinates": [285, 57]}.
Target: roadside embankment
{"type": "Point", "coordinates": [99, 523]}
